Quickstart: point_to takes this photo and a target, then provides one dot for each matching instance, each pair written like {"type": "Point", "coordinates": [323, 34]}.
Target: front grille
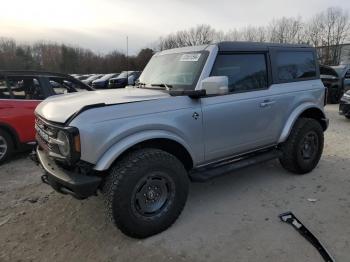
{"type": "Point", "coordinates": [46, 137]}
{"type": "Point", "coordinates": [49, 129]}
{"type": "Point", "coordinates": [42, 143]}
{"type": "Point", "coordinates": [45, 131]}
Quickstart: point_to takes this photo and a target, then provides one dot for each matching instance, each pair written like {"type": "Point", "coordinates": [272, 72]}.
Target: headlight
{"type": "Point", "coordinates": [64, 146]}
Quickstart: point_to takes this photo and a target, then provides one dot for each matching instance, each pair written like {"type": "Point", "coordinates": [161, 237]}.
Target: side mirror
{"type": "Point", "coordinates": [215, 85]}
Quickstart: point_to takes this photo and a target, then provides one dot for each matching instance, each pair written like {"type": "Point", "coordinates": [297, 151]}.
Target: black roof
{"type": "Point", "coordinates": [32, 73]}
{"type": "Point", "coordinates": [255, 46]}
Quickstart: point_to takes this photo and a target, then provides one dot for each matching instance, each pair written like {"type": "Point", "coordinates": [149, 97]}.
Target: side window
{"type": "Point", "coordinates": [245, 72]}
{"type": "Point", "coordinates": [347, 74]}
{"type": "Point", "coordinates": [295, 65]}
{"type": "Point", "coordinates": [63, 86]}
{"type": "Point", "coordinates": [4, 91]}
{"type": "Point", "coordinates": [26, 88]}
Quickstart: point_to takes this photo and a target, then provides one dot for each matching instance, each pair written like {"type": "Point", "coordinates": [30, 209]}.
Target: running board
{"type": "Point", "coordinates": [202, 174]}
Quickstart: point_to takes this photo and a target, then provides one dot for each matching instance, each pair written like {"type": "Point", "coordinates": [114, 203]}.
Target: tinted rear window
{"type": "Point", "coordinates": [295, 65]}
{"type": "Point", "coordinates": [347, 75]}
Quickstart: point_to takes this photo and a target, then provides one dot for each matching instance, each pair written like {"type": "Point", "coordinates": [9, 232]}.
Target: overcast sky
{"type": "Point", "coordinates": [102, 25]}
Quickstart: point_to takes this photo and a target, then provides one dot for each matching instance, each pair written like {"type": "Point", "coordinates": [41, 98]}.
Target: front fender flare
{"type": "Point", "coordinates": [121, 146]}
{"type": "Point", "coordinates": [294, 116]}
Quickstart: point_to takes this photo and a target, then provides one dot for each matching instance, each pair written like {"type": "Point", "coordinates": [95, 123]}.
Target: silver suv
{"type": "Point", "coordinates": [195, 113]}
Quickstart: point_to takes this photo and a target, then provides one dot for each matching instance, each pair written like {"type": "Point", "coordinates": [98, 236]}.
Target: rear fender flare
{"type": "Point", "coordinates": [294, 116]}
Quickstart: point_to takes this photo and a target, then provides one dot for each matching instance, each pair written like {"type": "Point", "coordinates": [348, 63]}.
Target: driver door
{"type": "Point", "coordinates": [245, 119]}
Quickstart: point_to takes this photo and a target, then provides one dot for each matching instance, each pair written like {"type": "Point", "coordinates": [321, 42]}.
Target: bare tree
{"type": "Point", "coordinates": [254, 34]}
{"type": "Point", "coordinates": [233, 35]}
{"type": "Point", "coordinates": [63, 58]}
{"type": "Point", "coordinates": [328, 30]}
{"type": "Point", "coordinates": [199, 35]}
{"type": "Point", "coordinates": [285, 30]}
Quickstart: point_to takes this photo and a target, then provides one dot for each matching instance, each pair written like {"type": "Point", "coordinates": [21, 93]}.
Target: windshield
{"type": "Point", "coordinates": [339, 69]}
{"type": "Point", "coordinates": [93, 77]}
{"type": "Point", "coordinates": [63, 85]}
{"type": "Point", "coordinates": [108, 76]}
{"type": "Point", "coordinates": [124, 74]}
{"type": "Point", "coordinates": [180, 71]}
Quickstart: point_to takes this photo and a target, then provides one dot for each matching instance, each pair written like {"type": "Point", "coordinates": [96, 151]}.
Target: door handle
{"type": "Point", "coordinates": [267, 103]}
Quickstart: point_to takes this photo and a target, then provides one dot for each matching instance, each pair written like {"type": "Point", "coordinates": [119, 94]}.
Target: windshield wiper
{"type": "Point", "coordinates": [167, 87]}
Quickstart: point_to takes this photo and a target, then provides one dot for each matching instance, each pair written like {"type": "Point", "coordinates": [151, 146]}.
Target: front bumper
{"type": "Point", "coordinates": [344, 108]}
{"type": "Point", "coordinates": [64, 181]}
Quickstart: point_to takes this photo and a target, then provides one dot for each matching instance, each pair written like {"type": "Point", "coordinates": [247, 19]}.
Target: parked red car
{"type": "Point", "coordinates": [20, 93]}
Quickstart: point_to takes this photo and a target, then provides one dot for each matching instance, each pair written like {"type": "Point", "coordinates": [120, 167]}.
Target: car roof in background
{"type": "Point", "coordinates": [21, 73]}
{"type": "Point", "coordinates": [326, 71]}
{"type": "Point", "coordinates": [33, 73]}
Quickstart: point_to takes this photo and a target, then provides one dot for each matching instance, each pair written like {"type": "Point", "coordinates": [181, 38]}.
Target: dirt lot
{"type": "Point", "coordinates": [232, 218]}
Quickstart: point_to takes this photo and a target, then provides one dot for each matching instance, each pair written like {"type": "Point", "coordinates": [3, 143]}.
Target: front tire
{"type": "Point", "coordinates": [6, 146]}
{"type": "Point", "coordinates": [145, 192]}
{"type": "Point", "coordinates": [304, 146]}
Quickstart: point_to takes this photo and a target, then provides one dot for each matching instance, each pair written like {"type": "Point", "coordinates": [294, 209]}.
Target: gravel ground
{"type": "Point", "coordinates": [231, 218]}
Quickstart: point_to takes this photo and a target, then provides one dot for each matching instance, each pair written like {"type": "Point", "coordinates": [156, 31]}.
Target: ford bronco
{"type": "Point", "coordinates": [195, 113]}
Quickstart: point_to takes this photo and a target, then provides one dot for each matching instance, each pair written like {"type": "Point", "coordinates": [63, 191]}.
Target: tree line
{"type": "Point", "coordinates": [326, 30]}
{"type": "Point", "coordinates": [66, 59]}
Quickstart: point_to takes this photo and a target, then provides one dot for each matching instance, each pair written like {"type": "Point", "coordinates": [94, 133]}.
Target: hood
{"type": "Point", "coordinates": [60, 108]}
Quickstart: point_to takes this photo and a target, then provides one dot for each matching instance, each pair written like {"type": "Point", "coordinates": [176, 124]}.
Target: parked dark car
{"type": "Point", "coordinates": [344, 105]}
{"type": "Point", "coordinates": [20, 93]}
{"type": "Point", "coordinates": [102, 83]}
{"type": "Point", "coordinates": [91, 78]}
{"type": "Point", "coordinates": [332, 82]}
{"type": "Point", "coordinates": [124, 79]}
{"type": "Point", "coordinates": [82, 77]}
{"type": "Point", "coordinates": [344, 73]}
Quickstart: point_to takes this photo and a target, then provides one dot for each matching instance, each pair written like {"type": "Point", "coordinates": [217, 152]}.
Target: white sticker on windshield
{"type": "Point", "coordinates": [190, 57]}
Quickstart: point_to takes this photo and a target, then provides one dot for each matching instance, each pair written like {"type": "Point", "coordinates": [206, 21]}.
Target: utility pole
{"type": "Point", "coordinates": [127, 58]}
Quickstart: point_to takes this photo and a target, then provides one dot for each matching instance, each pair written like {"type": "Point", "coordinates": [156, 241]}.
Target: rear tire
{"type": "Point", "coordinates": [333, 97]}
{"type": "Point", "coordinates": [145, 192]}
{"type": "Point", "coordinates": [6, 146]}
{"type": "Point", "coordinates": [304, 146]}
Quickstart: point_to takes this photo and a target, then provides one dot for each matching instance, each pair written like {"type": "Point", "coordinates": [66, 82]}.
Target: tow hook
{"type": "Point", "coordinates": [44, 179]}
{"type": "Point", "coordinates": [34, 157]}
{"type": "Point", "coordinates": [289, 218]}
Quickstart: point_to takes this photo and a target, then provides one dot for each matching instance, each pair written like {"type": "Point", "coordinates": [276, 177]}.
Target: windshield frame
{"type": "Point", "coordinates": [204, 53]}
